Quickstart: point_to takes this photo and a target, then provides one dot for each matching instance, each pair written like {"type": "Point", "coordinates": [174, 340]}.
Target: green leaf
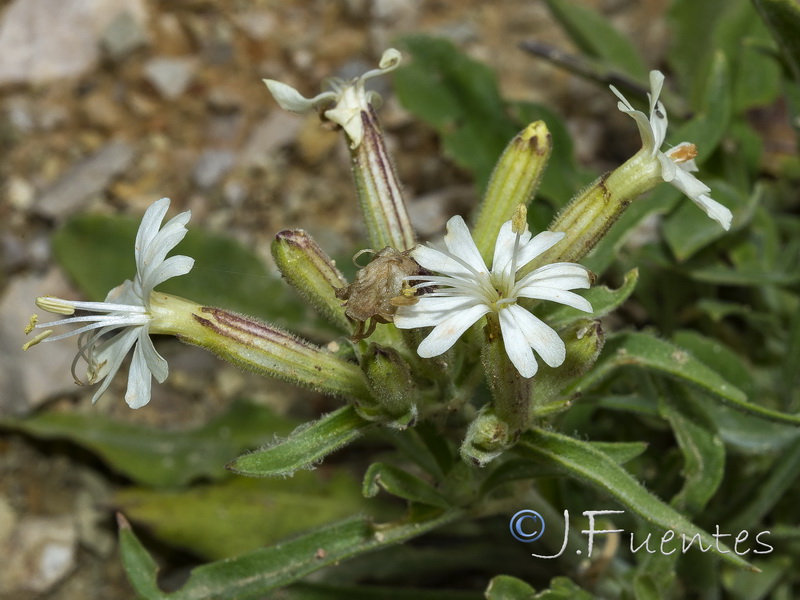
{"type": "Point", "coordinates": [603, 300]}
{"type": "Point", "coordinates": [316, 591]}
{"type": "Point", "coordinates": [161, 458]}
{"type": "Point", "coordinates": [592, 33]}
{"type": "Point", "coordinates": [756, 586]}
{"type": "Point", "coordinates": [460, 98]}
{"type": "Point", "coordinates": [645, 351]}
{"type": "Point", "coordinates": [97, 253]}
{"type": "Point", "coordinates": [252, 575]}
{"type": "Point", "coordinates": [580, 460]}
{"type": "Point", "coordinates": [690, 52]}
{"type": "Point", "coordinates": [304, 447]}
{"type": "Point", "coordinates": [505, 587]}
{"type": "Point", "coordinates": [707, 127]}
{"type": "Point", "coordinates": [402, 484]}
{"type": "Point", "coordinates": [783, 19]}
{"type": "Point", "coordinates": [240, 515]}
{"type": "Point", "coordinates": [701, 446]}
{"type": "Point", "coordinates": [519, 469]}
{"type": "Point", "coordinates": [718, 356]}
{"type": "Point", "coordinates": [783, 475]}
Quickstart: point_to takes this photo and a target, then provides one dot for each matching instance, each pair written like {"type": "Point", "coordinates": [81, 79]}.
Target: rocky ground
{"type": "Point", "coordinates": [108, 105]}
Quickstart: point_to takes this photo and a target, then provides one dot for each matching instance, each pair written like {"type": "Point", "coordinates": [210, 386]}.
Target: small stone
{"type": "Point", "coordinates": [258, 25]}
{"type": "Point", "coordinates": [212, 166]}
{"type": "Point", "coordinates": [170, 76]}
{"type": "Point", "coordinates": [41, 40]}
{"type": "Point", "coordinates": [277, 130]}
{"type": "Point", "coordinates": [123, 35]}
{"type": "Point", "coordinates": [91, 176]}
{"type": "Point", "coordinates": [28, 379]}
{"type": "Point", "coordinates": [20, 193]}
{"type": "Point", "coordinates": [39, 553]}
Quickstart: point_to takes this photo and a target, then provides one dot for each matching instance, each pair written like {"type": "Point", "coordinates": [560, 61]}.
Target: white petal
{"type": "Point", "coordinates": [290, 99]}
{"type": "Point", "coordinates": [148, 228]}
{"type": "Point", "coordinates": [563, 276]}
{"type": "Point", "coordinates": [516, 344]}
{"type": "Point", "coordinates": [172, 267]}
{"type": "Point", "coordinates": [715, 210]}
{"type": "Point", "coordinates": [109, 357]}
{"type": "Point", "coordinates": [460, 243]}
{"type": "Point", "coordinates": [504, 247]}
{"type": "Point", "coordinates": [430, 311]}
{"type": "Point", "coordinates": [642, 121]}
{"type": "Point", "coordinates": [155, 362]}
{"type": "Point", "coordinates": [541, 337]}
{"type": "Point", "coordinates": [139, 380]}
{"type": "Point", "coordinates": [541, 243]}
{"type": "Point", "coordinates": [540, 292]}
{"type": "Point", "coordinates": [658, 114]}
{"type": "Point", "coordinates": [444, 335]}
{"type": "Point", "coordinates": [435, 260]}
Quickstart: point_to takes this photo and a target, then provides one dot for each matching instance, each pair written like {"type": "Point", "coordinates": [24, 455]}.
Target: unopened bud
{"type": "Point", "coordinates": [487, 437]}
{"type": "Point", "coordinates": [514, 181]}
{"type": "Point", "coordinates": [584, 340]}
{"type": "Point", "coordinates": [312, 273]}
{"type": "Point", "coordinates": [392, 386]}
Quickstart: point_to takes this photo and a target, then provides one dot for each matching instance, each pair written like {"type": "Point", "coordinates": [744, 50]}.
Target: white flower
{"type": "Point", "coordinates": [677, 165]}
{"type": "Point", "coordinates": [349, 98]}
{"type": "Point", "coordinates": [467, 290]}
{"type": "Point", "coordinates": [126, 311]}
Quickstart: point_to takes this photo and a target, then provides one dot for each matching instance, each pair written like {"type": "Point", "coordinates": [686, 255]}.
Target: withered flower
{"type": "Point", "coordinates": [379, 288]}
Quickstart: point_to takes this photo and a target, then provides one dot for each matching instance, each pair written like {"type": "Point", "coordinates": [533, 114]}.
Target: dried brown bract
{"type": "Point", "coordinates": [379, 288]}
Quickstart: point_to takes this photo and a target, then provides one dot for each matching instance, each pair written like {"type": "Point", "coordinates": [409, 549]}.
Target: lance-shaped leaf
{"type": "Point", "coordinates": [402, 484]}
{"type": "Point", "coordinates": [524, 468]}
{"type": "Point", "coordinates": [229, 518]}
{"type": "Point", "coordinates": [252, 575]}
{"type": "Point", "coordinates": [305, 447]}
{"type": "Point", "coordinates": [648, 352]}
{"type": "Point", "coordinates": [312, 273]}
{"type": "Point", "coordinates": [587, 464]}
{"type": "Point", "coordinates": [593, 34]}
{"type": "Point", "coordinates": [701, 446]}
{"type": "Point", "coordinates": [161, 458]}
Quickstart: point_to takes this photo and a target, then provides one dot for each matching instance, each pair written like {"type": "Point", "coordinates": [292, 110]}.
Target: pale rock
{"type": "Point", "coordinates": [258, 25]}
{"type": "Point", "coordinates": [38, 554]}
{"type": "Point", "coordinates": [28, 379]}
{"type": "Point", "coordinates": [269, 135]}
{"type": "Point", "coordinates": [42, 40]}
{"type": "Point", "coordinates": [170, 76]}
{"type": "Point", "coordinates": [123, 35]}
{"type": "Point", "coordinates": [73, 189]}
{"type": "Point", "coordinates": [212, 166]}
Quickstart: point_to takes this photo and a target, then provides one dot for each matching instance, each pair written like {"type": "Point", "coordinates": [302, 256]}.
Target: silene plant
{"type": "Point", "coordinates": [458, 351]}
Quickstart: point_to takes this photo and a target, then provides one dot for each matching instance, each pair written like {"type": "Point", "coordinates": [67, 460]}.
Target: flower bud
{"type": "Point", "coordinates": [487, 437]}
{"type": "Point", "coordinates": [514, 181]}
{"type": "Point", "coordinates": [312, 273]}
{"type": "Point", "coordinates": [584, 340]}
{"type": "Point", "coordinates": [392, 386]}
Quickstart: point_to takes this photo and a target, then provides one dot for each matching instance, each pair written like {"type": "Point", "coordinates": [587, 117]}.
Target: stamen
{"type": "Point", "coordinates": [39, 338]}
{"type": "Point", "coordinates": [31, 324]}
